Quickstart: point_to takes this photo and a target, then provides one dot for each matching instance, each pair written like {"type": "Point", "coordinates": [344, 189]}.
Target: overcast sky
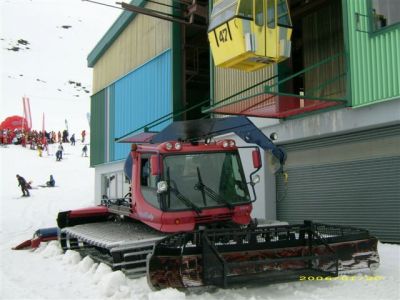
{"type": "Point", "coordinates": [44, 46]}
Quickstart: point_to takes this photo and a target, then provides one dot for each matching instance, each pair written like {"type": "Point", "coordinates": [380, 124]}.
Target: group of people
{"type": "Point", "coordinates": [6, 136]}
{"type": "Point", "coordinates": [40, 140]}
{"type": "Point", "coordinates": [72, 140]}
{"type": "Point", "coordinates": [35, 138]}
{"type": "Point", "coordinates": [26, 186]}
{"type": "Point", "coordinates": [60, 151]}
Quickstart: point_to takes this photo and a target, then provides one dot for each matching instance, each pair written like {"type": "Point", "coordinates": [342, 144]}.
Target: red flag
{"type": "Point", "coordinates": [44, 140]}
{"type": "Point", "coordinates": [27, 111]}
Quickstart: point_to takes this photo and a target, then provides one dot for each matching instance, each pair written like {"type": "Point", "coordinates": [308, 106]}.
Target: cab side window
{"type": "Point", "coordinates": [148, 182]}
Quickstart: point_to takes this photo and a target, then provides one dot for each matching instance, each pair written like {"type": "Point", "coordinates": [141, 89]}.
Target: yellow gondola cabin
{"type": "Point", "coordinates": [250, 34]}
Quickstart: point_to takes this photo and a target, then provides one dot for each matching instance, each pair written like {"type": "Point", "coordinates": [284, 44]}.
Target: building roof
{"type": "Point", "coordinates": [112, 34]}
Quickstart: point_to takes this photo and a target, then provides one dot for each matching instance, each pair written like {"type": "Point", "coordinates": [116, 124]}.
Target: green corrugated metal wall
{"type": "Point", "coordinates": [374, 57]}
{"type": "Point", "coordinates": [98, 128]}
{"type": "Point", "coordinates": [351, 179]}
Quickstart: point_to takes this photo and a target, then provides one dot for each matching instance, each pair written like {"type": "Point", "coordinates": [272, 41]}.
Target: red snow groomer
{"type": "Point", "coordinates": [186, 220]}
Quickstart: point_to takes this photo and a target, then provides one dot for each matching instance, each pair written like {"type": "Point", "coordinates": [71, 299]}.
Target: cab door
{"type": "Point", "coordinates": [259, 26]}
{"type": "Point", "coordinates": [271, 30]}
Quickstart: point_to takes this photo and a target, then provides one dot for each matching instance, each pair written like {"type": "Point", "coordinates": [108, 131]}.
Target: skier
{"type": "Point", "coordinates": [24, 186]}
{"type": "Point", "coordinates": [84, 151]}
{"type": "Point", "coordinates": [83, 134]}
{"type": "Point", "coordinates": [72, 139]}
{"type": "Point", "coordinates": [45, 146]}
{"type": "Point", "coordinates": [53, 137]}
{"type": "Point", "coordinates": [65, 135]}
{"type": "Point", "coordinates": [59, 152]}
{"type": "Point", "coordinates": [51, 182]}
{"type": "Point", "coordinates": [40, 149]}
{"type": "Point", "coordinates": [23, 140]}
{"type": "Point", "coordinates": [5, 137]}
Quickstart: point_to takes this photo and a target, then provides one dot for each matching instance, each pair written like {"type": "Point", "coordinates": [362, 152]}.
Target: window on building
{"type": "Point", "coordinates": [126, 186]}
{"type": "Point", "coordinates": [384, 13]}
{"type": "Point", "coordinates": [283, 13]}
{"type": "Point", "coordinates": [246, 9]}
{"type": "Point", "coordinates": [259, 12]}
{"type": "Point", "coordinates": [271, 13]}
{"type": "Point", "coordinates": [115, 185]}
{"type": "Point", "coordinates": [223, 11]}
{"type": "Point", "coordinates": [110, 186]}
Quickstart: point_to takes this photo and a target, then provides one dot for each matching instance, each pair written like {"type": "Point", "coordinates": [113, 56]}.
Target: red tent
{"type": "Point", "coordinates": [14, 122]}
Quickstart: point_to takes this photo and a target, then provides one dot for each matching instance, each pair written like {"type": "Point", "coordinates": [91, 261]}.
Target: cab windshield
{"type": "Point", "coordinates": [204, 180]}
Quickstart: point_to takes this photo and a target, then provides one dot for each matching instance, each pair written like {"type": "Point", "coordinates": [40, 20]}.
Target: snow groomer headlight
{"type": "Point", "coordinates": [227, 143]}
{"type": "Point", "coordinates": [171, 146]}
{"type": "Point", "coordinates": [168, 146]}
{"type": "Point", "coordinates": [178, 146]}
{"type": "Point", "coordinates": [162, 187]}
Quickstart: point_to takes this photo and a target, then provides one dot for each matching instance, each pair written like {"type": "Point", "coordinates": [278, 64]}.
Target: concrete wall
{"type": "Point", "coordinates": [339, 121]}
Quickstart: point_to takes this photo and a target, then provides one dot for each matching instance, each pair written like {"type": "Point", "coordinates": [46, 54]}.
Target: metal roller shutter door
{"type": "Point", "coordinates": [353, 179]}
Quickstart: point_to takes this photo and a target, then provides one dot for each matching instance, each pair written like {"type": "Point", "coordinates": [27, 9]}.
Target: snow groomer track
{"type": "Point", "coordinates": [121, 245]}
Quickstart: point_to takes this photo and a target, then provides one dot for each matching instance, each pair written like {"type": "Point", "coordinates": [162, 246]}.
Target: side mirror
{"type": "Point", "coordinates": [162, 187]}
{"type": "Point", "coordinates": [256, 159]}
{"type": "Point", "coordinates": [155, 165]}
{"type": "Point", "coordinates": [255, 180]}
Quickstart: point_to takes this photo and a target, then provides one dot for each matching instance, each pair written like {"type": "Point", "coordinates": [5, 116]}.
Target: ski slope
{"type": "Point", "coordinates": [48, 273]}
{"type": "Point", "coordinates": [43, 50]}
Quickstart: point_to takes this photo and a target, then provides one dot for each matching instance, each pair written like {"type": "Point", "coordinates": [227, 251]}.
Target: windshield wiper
{"type": "Point", "coordinates": [181, 197]}
{"type": "Point", "coordinates": [185, 200]}
{"type": "Point", "coordinates": [210, 193]}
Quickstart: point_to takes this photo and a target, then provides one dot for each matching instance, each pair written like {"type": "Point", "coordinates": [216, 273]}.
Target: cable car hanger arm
{"type": "Point", "coordinates": [159, 15]}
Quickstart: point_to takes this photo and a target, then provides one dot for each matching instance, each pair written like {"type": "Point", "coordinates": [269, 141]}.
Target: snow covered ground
{"type": "Point", "coordinates": [43, 46]}
{"type": "Point", "coordinates": [48, 273]}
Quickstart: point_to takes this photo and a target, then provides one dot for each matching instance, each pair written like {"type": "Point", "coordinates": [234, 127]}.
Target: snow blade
{"type": "Point", "coordinates": [40, 235]}
{"type": "Point", "coordinates": [227, 258]}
